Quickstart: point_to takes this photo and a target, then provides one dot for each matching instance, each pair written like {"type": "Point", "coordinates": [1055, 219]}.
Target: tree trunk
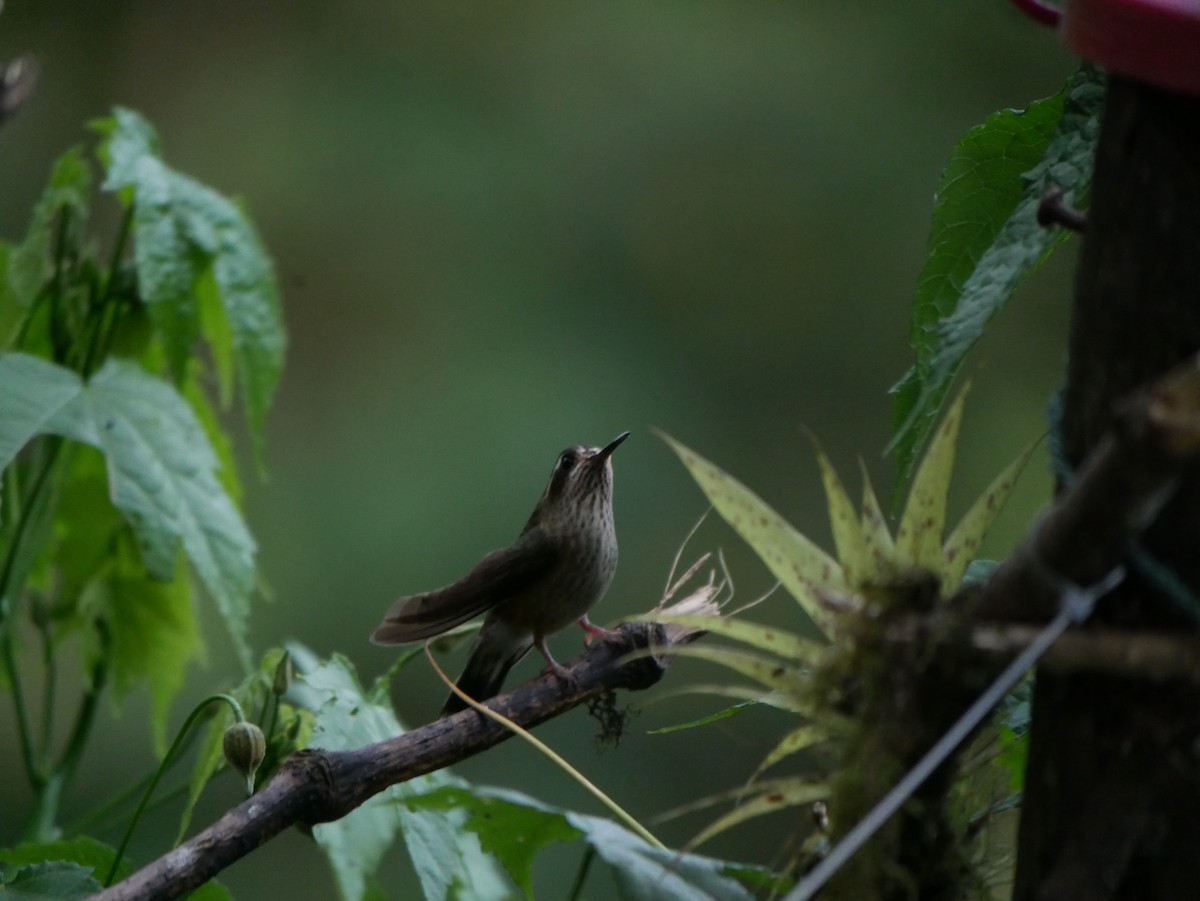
{"type": "Point", "coordinates": [1112, 793]}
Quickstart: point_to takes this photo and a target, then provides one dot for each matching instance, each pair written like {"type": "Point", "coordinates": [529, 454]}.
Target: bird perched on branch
{"type": "Point", "coordinates": [558, 568]}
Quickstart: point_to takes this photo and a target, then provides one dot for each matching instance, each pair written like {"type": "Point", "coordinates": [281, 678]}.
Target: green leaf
{"type": "Point", "coordinates": [517, 826]}
{"type": "Point", "coordinates": [799, 565]}
{"type": "Point", "coordinates": [778, 700]}
{"type": "Point", "coordinates": [706, 720]}
{"type": "Point", "coordinates": [161, 468]}
{"type": "Point", "coordinates": [448, 862]}
{"type": "Point", "coordinates": [919, 535]}
{"type": "Point", "coordinates": [201, 267]}
{"type": "Point", "coordinates": [985, 238]}
{"type": "Point", "coordinates": [152, 634]}
{"type": "Point", "coordinates": [511, 832]}
{"type": "Point", "coordinates": [82, 850]}
{"type": "Point", "coordinates": [52, 881]}
{"type": "Point", "coordinates": [32, 393]}
{"type": "Point", "coordinates": [69, 189]}
{"type": "Point", "coordinates": [964, 541]}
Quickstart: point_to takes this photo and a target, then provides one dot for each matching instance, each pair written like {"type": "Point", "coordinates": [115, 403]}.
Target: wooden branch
{"type": "Point", "coordinates": [315, 786]}
{"type": "Point", "coordinates": [1137, 654]}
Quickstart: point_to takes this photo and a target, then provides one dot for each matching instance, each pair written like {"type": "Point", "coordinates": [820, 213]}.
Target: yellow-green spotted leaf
{"type": "Point", "coordinates": [881, 550]}
{"type": "Point", "coordinates": [795, 648]}
{"type": "Point", "coordinates": [773, 674]}
{"type": "Point", "coordinates": [852, 549]}
{"type": "Point", "coordinates": [788, 793]}
{"type": "Point", "coordinates": [964, 541]}
{"type": "Point", "coordinates": [796, 562]}
{"type": "Point", "coordinates": [919, 538]}
{"type": "Point", "coordinates": [797, 740]}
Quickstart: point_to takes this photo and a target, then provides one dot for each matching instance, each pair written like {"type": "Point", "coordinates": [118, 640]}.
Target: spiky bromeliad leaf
{"type": "Point", "coordinates": [776, 699]}
{"type": "Point", "coordinates": [723, 714]}
{"type": "Point", "coordinates": [849, 537]}
{"type": "Point", "coordinates": [880, 546]}
{"type": "Point", "coordinates": [799, 565]}
{"type": "Point", "coordinates": [162, 469]}
{"type": "Point", "coordinates": [797, 649]}
{"type": "Point", "coordinates": [782, 794]}
{"type": "Point", "coordinates": [795, 741]}
{"type": "Point", "coordinates": [201, 267]}
{"type": "Point", "coordinates": [960, 548]}
{"type": "Point", "coordinates": [767, 671]}
{"type": "Point", "coordinates": [985, 238]}
{"type": "Point", "coordinates": [919, 536]}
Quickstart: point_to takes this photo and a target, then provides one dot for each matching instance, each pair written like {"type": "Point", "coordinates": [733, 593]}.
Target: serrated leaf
{"type": "Point", "coordinates": [788, 793]}
{"type": "Point", "coordinates": [51, 881]}
{"type": "Point", "coordinates": [985, 238]}
{"type": "Point", "coordinates": [446, 859]}
{"type": "Point", "coordinates": [797, 740]}
{"type": "Point", "coordinates": [964, 541]}
{"type": "Point", "coordinates": [881, 550]}
{"type": "Point", "coordinates": [797, 649]}
{"type": "Point", "coordinates": [764, 670]}
{"type": "Point", "coordinates": [642, 872]}
{"type": "Point", "coordinates": [512, 833]}
{"type": "Point", "coordinates": [201, 267]}
{"type": "Point", "coordinates": [32, 392]}
{"type": "Point", "coordinates": [795, 561]}
{"type": "Point", "coordinates": [161, 468]}
{"type": "Point", "coordinates": [219, 438]}
{"type": "Point", "coordinates": [919, 536]}
{"type": "Point", "coordinates": [163, 476]}
{"type": "Point", "coordinates": [81, 850]}
{"type": "Point", "coordinates": [853, 551]}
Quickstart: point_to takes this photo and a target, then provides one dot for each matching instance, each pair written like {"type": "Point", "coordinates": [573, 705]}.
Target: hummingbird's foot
{"type": "Point", "coordinates": [593, 631]}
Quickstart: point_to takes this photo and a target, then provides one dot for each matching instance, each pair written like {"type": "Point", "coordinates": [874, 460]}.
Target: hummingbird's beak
{"type": "Point", "coordinates": [606, 451]}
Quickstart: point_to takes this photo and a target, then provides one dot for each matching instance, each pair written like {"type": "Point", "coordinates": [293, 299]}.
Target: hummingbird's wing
{"type": "Point", "coordinates": [495, 578]}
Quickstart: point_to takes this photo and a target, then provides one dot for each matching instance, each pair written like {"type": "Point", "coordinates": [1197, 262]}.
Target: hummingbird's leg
{"type": "Point", "coordinates": [593, 631]}
{"type": "Point", "coordinates": [552, 665]}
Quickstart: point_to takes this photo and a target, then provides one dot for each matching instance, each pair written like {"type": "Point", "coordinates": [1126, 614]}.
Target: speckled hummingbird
{"type": "Point", "coordinates": [561, 565]}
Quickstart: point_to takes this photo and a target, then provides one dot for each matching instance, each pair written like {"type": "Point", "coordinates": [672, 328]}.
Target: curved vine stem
{"type": "Point", "coordinates": [167, 761]}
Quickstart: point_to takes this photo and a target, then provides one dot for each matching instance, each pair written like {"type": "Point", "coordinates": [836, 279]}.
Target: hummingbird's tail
{"type": "Point", "coordinates": [495, 652]}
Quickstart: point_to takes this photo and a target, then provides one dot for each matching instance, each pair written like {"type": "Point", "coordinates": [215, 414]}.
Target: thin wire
{"type": "Point", "coordinates": [1076, 606]}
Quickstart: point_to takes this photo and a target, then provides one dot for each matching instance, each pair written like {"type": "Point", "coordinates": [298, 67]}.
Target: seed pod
{"type": "Point", "coordinates": [245, 747]}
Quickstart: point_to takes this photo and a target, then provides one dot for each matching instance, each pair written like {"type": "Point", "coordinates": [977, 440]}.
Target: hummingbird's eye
{"type": "Point", "coordinates": [566, 460]}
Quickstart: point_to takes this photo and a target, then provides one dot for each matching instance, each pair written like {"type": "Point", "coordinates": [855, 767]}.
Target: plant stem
{"type": "Point", "coordinates": [167, 760]}
{"type": "Point", "coordinates": [49, 689]}
{"type": "Point", "coordinates": [42, 825]}
{"type": "Point", "coordinates": [589, 854]}
{"type": "Point", "coordinates": [8, 608]}
{"type": "Point", "coordinates": [28, 755]}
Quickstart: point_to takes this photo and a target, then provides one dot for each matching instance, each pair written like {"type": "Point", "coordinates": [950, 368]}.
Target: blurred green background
{"type": "Point", "coordinates": [501, 229]}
